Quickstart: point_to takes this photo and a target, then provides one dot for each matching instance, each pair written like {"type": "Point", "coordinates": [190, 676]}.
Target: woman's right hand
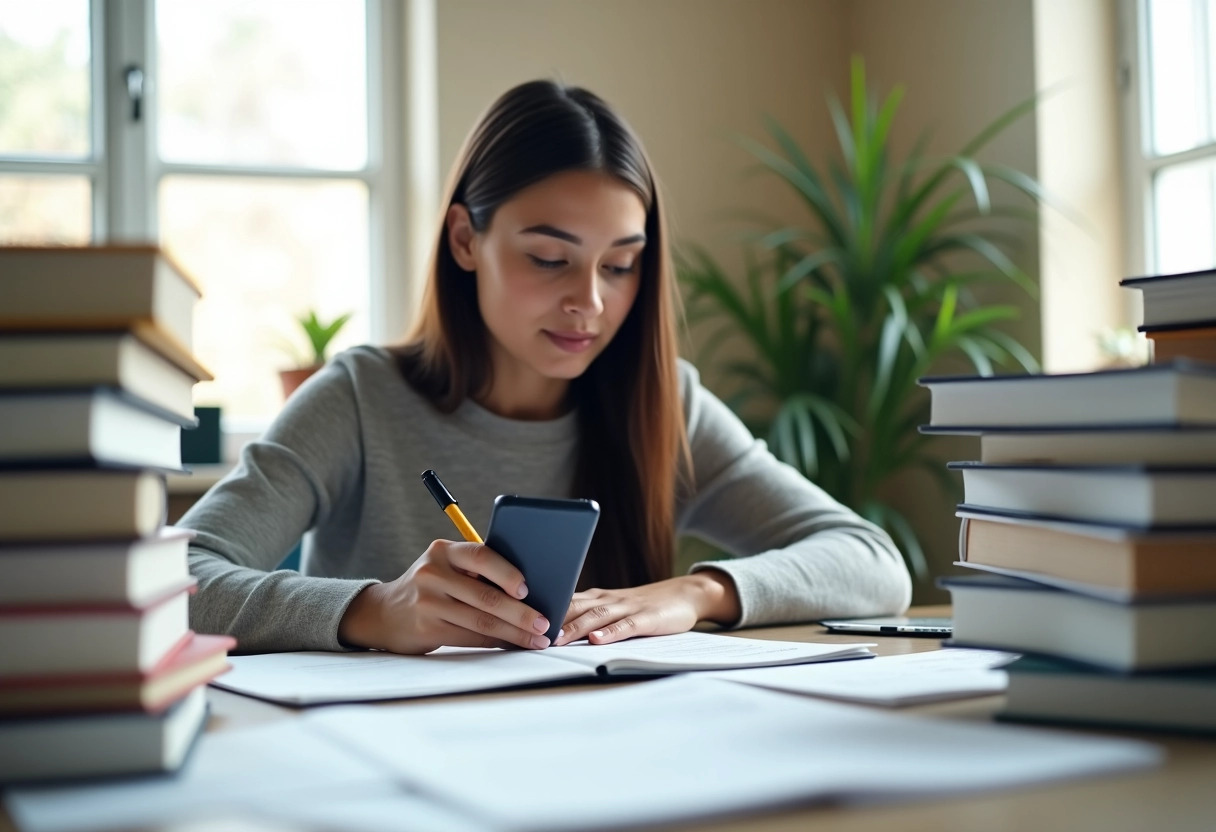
{"type": "Point", "coordinates": [440, 601]}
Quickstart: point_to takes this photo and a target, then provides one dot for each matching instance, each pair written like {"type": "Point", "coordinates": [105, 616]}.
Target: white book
{"type": "Point", "coordinates": [124, 572]}
{"type": "Point", "coordinates": [312, 678]}
{"type": "Point", "coordinates": [1175, 300]}
{"type": "Point", "coordinates": [1130, 496]}
{"type": "Point", "coordinates": [1160, 395]}
{"type": "Point", "coordinates": [91, 639]}
{"type": "Point", "coordinates": [1053, 691]}
{"type": "Point", "coordinates": [100, 744]}
{"type": "Point", "coordinates": [88, 427]}
{"type": "Point", "coordinates": [46, 504]}
{"type": "Point", "coordinates": [1094, 445]}
{"type": "Point", "coordinates": [99, 288]}
{"type": "Point", "coordinates": [1007, 613]}
{"type": "Point", "coordinates": [52, 360]}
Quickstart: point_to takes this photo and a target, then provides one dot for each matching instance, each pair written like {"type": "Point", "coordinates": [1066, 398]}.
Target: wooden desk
{"type": "Point", "coordinates": [1181, 795]}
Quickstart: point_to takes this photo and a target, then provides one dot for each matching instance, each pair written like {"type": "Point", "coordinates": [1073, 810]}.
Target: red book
{"type": "Point", "coordinates": [196, 661]}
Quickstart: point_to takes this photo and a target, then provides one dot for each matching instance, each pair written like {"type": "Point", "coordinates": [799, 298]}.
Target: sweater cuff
{"type": "Point", "coordinates": [338, 595]}
{"type": "Point", "coordinates": [749, 588]}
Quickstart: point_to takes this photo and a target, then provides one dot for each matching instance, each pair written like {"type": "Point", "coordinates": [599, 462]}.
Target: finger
{"type": "Point", "coordinates": [489, 598]}
{"type": "Point", "coordinates": [479, 559]}
{"type": "Point", "coordinates": [627, 627]}
{"type": "Point", "coordinates": [490, 627]}
{"type": "Point", "coordinates": [583, 601]}
{"type": "Point", "coordinates": [592, 618]}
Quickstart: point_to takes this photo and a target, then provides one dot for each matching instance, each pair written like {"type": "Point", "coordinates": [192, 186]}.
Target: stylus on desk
{"type": "Point", "coordinates": [449, 505]}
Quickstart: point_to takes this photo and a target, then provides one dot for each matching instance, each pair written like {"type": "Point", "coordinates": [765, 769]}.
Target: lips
{"type": "Point", "coordinates": [570, 341]}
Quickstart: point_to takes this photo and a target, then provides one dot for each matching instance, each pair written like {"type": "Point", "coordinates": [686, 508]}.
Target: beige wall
{"type": "Point", "coordinates": [687, 74]}
{"type": "Point", "coordinates": [1079, 161]}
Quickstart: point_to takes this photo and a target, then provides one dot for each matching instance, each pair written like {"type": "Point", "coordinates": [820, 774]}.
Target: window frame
{"type": "Point", "coordinates": [125, 171]}
{"type": "Point", "coordinates": [1141, 162]}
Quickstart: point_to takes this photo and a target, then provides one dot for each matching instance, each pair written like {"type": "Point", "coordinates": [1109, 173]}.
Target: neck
{"type": "Point", "coordinates": [517, 393]}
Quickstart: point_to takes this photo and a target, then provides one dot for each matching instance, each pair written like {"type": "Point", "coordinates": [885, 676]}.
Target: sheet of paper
{"type": "Point", "coordinates": [914, 678]}
{"type": "Point", "coordinates": [700, 651]}
{"type": "Point", "coordinates": [227, 775]}
{"type": "Point", "coordinates": [313, 678]}
{"type": "Point", "coordinates": [385, 807]}
{"type": "Point", "coordinates": [689, 746]}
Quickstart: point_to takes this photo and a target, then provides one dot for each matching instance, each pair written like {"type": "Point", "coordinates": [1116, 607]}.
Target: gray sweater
{"type": "Point", "coordinates": [340, 466]}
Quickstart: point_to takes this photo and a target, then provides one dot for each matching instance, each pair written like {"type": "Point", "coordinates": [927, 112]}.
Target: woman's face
{"type": "Point", "coordinates": [557, 272]}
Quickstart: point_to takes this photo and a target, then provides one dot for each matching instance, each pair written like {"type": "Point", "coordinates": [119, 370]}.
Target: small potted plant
{"type": "Point", "coordinates": [319, 337]}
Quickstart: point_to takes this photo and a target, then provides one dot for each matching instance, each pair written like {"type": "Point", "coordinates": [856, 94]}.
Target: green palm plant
{"type": "Point", "coordinates": [320, 333]}
{"type": "Point", "coordinates": [843, 316]}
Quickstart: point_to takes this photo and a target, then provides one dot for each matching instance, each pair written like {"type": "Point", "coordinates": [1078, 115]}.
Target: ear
{"type": "Point", "coordinates": [461, 237]}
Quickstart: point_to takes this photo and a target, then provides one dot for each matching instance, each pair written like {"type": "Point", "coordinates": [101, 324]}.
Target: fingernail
{"type": "Point", "coordinates": [522, 592]}
{"type": "Point", "coordinates": [561, 633]}
{"type": "Point", "coordinates": [598, 633]}
{"type": "Point", "coordinates": [540, 642]}
{"type": "Point", "coordinates": [540, 624]}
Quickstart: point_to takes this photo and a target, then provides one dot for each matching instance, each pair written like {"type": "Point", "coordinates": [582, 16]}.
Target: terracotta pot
{"type": "Point", "coordinates": [291, 379]}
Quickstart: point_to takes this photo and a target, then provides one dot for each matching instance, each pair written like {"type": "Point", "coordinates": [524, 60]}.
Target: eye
{"type": "Point", "coordinates": [546, 264]}
{"type": "Point", "coordinates": [620, 271]}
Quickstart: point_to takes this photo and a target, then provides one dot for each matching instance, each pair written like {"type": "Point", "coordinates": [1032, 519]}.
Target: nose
{"type": "Point", "coordinates": [583, 296]}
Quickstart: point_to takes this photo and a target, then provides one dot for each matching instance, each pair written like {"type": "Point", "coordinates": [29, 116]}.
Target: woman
{"type": "Point", "coordinates": [543, 363]}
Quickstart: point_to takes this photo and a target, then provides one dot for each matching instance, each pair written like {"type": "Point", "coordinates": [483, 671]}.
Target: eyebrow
{"type": "Point", "coordinates": [550, 231]}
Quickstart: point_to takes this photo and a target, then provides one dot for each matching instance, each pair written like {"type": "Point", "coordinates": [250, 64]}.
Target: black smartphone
{"type": "Point", "coordinates": [547, 540]}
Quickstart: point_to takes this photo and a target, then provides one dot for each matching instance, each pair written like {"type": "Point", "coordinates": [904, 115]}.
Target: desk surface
{"type": "Point", "coordinates": [1181, 795]}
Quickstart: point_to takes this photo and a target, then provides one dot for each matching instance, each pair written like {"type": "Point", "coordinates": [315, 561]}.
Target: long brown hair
{"type": "Point", "coordinates": [633, 446]}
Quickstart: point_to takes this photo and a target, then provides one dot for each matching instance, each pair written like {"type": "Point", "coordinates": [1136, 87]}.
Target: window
{"type": "Point", "coordinates": [256, 140]}
{"type": "Point", "coordinates": [1171, 68]}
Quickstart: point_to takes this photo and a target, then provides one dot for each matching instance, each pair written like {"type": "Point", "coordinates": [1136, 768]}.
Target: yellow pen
{"type": "Point", "coordinates": [449, 505]}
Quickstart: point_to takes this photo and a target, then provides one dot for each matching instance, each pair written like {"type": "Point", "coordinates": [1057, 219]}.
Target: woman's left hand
{"type": "Point", "coordinates": [676, 605]}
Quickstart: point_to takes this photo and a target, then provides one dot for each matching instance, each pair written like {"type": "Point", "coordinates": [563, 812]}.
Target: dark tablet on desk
{"type": "Point", "coordinates": [896, 625]}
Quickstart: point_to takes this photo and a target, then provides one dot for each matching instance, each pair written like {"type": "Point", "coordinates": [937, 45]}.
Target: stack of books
{"type": "Point", "coordinates": [99, 671]}
{"type": "Point", "coordinates": [1090, 522]}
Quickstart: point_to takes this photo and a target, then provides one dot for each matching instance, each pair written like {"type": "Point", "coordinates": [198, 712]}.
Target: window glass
{"type": "Point", "coordinates": [265, 251]}
{"type": "Point", "coordinates": [1183, 217]}
{"type": "Point", "coordinates": [44, 78]}
{"type": "Point", "coordinates": [1179, 117]}
{"type": "Point", "coordinates": [277, 82]}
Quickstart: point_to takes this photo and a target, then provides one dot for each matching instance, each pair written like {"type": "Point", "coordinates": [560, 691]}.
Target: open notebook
{"type": "Point", "coordinates": [314, 678]}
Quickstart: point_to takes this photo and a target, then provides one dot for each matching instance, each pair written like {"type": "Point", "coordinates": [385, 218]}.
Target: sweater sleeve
{"type": "Point", "coordinates": [798, 554]}
{"type": "Point", "coordinates": [286, 483]}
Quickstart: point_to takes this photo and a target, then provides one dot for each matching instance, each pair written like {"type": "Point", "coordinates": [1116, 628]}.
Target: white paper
{"type": "Point", "coordinates": [227, 775]}
{"type": "Point", "coordinates": [312, 678]}
{"type": "Point", "coordinates": [385, 807]}
{"type": "Point", "coordinates": [690, 746]}
{"type": "Point", "coordinates": [702, 651]}
{"type": "Point", "coordinates": [913, 678]}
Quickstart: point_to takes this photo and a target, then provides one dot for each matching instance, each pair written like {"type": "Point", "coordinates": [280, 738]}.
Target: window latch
{"type": "Point", "coordinates": [134, 76]}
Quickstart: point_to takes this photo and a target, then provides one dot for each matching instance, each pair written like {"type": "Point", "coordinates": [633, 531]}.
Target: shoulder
{"type": "Point", "coordinates": [363, 381]}
{"type": "Point", "coordinates": [691, 390]}
{"type": "Point", "coordinates": [366, 362]}
{"type": "Point", "coordinates": [707, 417]}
